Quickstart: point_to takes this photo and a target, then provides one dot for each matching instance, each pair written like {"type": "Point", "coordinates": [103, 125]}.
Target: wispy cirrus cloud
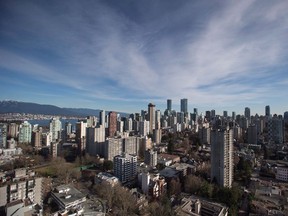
{"type": "Point", "coordinates": [211, 53]}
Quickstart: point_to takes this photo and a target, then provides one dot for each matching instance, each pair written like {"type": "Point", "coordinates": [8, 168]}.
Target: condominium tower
{"type": "Point", "coordinates": [184, 105]}
{"type": "Point", "coordinates": [151, 117]}
{"type": "Point", "coordinates": [222, 156]}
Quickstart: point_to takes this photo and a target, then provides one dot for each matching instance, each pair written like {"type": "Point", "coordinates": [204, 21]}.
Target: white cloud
{"type": "Point", "coordinates": [97, 44]}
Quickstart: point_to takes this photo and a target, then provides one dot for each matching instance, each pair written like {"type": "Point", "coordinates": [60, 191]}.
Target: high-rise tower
{"type": "Point", "coordinates": [184, 105]}
{"type": "Point", "coordinates": [112, 128]}
{"type": "Point", "coordinates": [267, 110]}
{"type": "Point", "coordinates": [55, 129]}
{"type": "Point", "coordinates": [125, 167]}
{"type": "Point", "coordinates": [151, 117]}
{"type": "Point", "coordinates": [247, 113]}
{"type": "Point", "coordinates": [222, 156]}
{"type": "Point", "coordinates": [3, 135]}
{"type": "Point", "coordinates": [25, 132]}
{"type": "Point", "coordinates": [169, 104]}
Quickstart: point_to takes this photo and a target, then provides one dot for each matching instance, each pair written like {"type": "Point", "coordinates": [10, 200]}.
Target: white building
{"type": "Point", "coordinates": [25, 132]}
{"type": "Point", "coordinates": [144, 128]}
{"type": "Point", "coordinates": [222, 156]}
{"type": "Point", "coordinates": [55, 129]}
{"type": "Point", "coordinates": [282, 172]}
{"type": "Point", "coordinates": [67, 197]}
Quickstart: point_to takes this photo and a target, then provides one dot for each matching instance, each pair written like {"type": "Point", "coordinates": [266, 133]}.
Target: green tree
{"type": "Point", "coordinates": [206, 189]}
{"type": "Point", "coordinates": [107, 165]}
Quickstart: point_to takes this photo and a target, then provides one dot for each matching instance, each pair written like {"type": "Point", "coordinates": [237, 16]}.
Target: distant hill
{"type": "Point", "coordinates": [34, 108]}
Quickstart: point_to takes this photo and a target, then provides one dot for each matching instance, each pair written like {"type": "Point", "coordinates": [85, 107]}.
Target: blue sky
{"type": "Point", "coordinates": [121, 55]}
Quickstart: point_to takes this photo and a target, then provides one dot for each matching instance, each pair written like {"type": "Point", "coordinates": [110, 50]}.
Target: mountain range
{"type": "Point", "coordinates": [34, 108]}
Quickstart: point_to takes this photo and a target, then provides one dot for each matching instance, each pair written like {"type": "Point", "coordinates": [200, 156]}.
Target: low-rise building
{"type": "Point", "coordinates": [168, 159]}
{"type": "Point", "coordinates": [152, 184]}
{"type": "Point", "coordinates": [199, 206]}
{"type": "Point", "coordinates": [21, 184]}
{"type": "Point", "coordinates": [68, 198]}
{"type": "Point", "coordinates": [23, 208]}
{"type": "Point", "coordinates": [106, 177]}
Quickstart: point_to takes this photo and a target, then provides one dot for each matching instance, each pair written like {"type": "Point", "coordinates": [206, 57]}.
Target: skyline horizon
{"type": "Point", "coordinates": [163, 108]}
{"type": "Point", "coordinates": [124, 55]}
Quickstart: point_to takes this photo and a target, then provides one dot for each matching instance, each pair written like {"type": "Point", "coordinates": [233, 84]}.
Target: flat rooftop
{"type": "Point", "coordinates": [68, 194]}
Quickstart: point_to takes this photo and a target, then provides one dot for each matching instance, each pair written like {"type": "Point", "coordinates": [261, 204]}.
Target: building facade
{"type": "Point", "coordinates": [222, 156]}
{"type": "Point", "coordinates": [25, 132]}
{"type": "Point", "coordinates": [125, 167]}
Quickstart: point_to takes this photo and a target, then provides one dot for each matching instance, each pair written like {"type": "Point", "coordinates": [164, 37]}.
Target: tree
{"type": "Point", "coordinates": [123, 201]}
{"type": "Point", "coordinates": [206, 189]}
{"type": "Point", "coordinates": [118, 198]}
{"type": "Point", "coordinates": [107, 165]}
{"type": "Point", "coordinates": [230, 196]}
{"type": "Point", "coordinates": [105, 191]}
{"type": "Point", "coordinates": [160, 207]}
{"type": "Point", "coordinates": [192, 184]}
{"type": "Point", "coordinates": [174, 187]}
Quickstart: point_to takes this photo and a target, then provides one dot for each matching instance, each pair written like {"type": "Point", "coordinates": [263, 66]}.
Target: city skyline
{"type": "Point", "coordinates": [222, 55]}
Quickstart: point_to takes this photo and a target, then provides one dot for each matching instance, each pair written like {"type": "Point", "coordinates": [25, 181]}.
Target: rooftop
{"type": "Point", "coordinates": [67, 194]}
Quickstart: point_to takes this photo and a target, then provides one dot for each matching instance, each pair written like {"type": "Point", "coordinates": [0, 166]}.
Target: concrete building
{"type": "Point", "coordinates": [151, 117]}
{"type": "Point", "coordinates": [102, 118]}
{"type": "Point", "coordinates": [267, 111]}
{"type": "Point", "coordinates": [120, 126]}
{"type": "Point", "coordinates": [91, 121]}
{"type": "Point", "coordinates": [131, 145]}
{"type": "Point", "coordinates": [25, 132]}
{"type": "Point", "coordinates": [128, 124]}
{"type": "Point", "coordinates": [55, 127]}
{"type": "Point", "coordinates": [204, 135]}
{"type": "Point", "coordinates": [3, 135]}
{"type": "Point", "coordinates": [68, 198]}
{"type": "Point", "coordinates": [169, 104]}
{"type": "Point", "coordinates": [144, 144]}
{"type": "Point", "coordinates": [23, 208]}
{"type": "Point", "coordinates": [212, 114]}
{"type": "Point", "coordinates": [106, 177]}
{"type": "Point", "coordinates": [152, 184]}
{"type": "Point", "coordinates": [36, 140]}
{"type": "Point", "coordinates": [222, 156]}
{"type": "Point", "coordinates": [282, 172]}
{"type": "Point", "coordinates": [125, 167]}
{"type": "Point", "coordinates": [247, 114]}
{"type": "Point", "coordinates": [157, 118]}
{"type": "Point", "coordinates": [144, 128]}
{"type": "Point", "coordinates": [276, 129]}
{"type": "Point", "coordinates": [252, 134]}
{"type": "Point", "coordinates": [23, 185]}
{"type": "Point", "coordinates": [13, 130]}
{"type": "Point", "coordinates": [112, 127]}
{"type": "Point", "coordinates": [157, 135]}
{"type": "Point", "coordinates": [47, 138]}
{"type": "Point", "coordinates": [95, 136]}
{"type": "Point", "coordinates": [68, 129]}
{"type": "Point", "coordinates": [198, 206]}
{"type": "Point", "coordinates": [112, 147]}
{"type": "Point", "coordinates": [184, 105]}
{"type": "Point", "coordinates": [81, 127]}
{"type": "Point", "coordinates": [150, 158]}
